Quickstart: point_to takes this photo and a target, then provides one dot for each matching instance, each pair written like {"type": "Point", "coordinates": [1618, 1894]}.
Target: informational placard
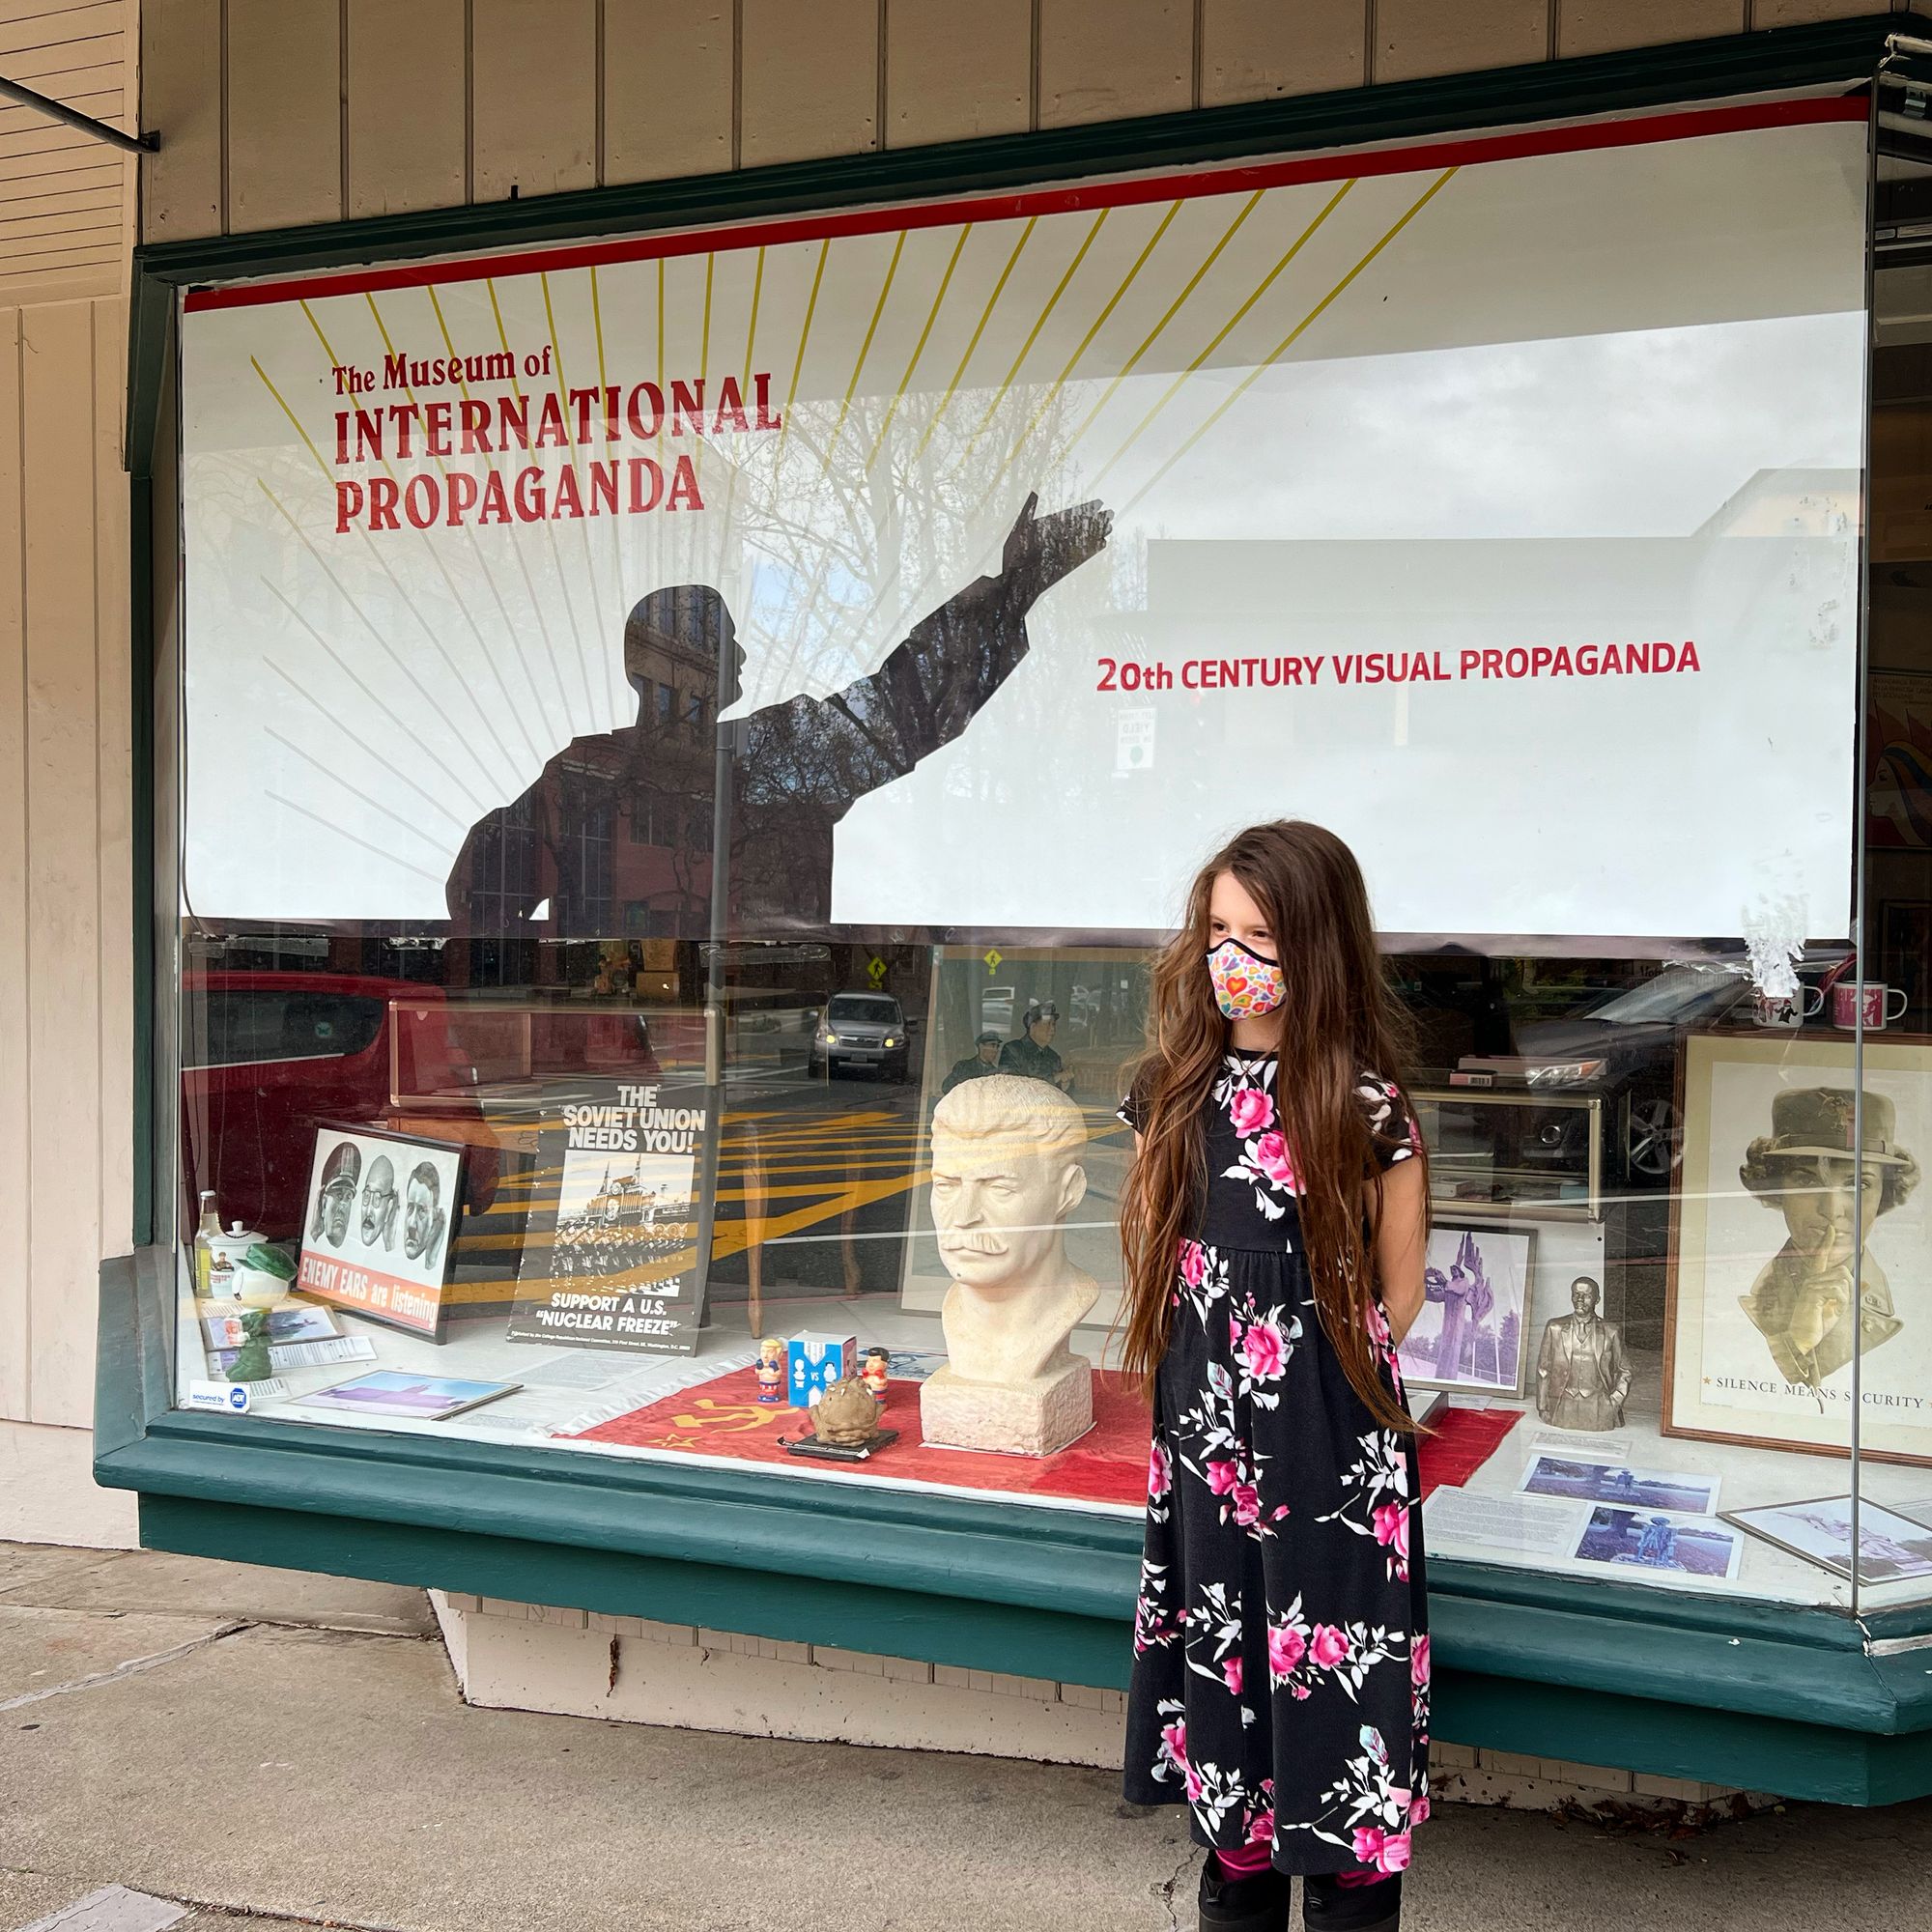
{"type": "Point", "coordinates": [382, 1214]}
{"type": "Point", "coordinates": [614, 1258]}
{"type": "Point", "coordinates": [1494, 503]}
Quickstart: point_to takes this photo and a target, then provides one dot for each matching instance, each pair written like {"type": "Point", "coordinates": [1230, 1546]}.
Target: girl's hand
{"type": "Point", "coordinates": [1401, 1243]}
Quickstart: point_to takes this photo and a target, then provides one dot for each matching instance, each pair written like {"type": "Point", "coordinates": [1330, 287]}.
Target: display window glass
{"type": "Point", "coordinates": [689, 742]}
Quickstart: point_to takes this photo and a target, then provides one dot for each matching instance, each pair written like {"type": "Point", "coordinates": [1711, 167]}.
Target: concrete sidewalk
{"type": "Point", "coordinates": [282, 1751]}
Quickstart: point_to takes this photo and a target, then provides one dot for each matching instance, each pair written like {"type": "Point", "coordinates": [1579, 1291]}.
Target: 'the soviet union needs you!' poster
{"type": "Point", "coordinates": [618, 1262]}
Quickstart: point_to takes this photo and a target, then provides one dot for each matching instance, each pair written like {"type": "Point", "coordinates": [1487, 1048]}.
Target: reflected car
{"type": "Point", "coordinates": [1623, 1045]}
{"type": "Point", "coordinates": [996, 1011]}
{"type": "Point", "coordinates": [860, 1030]}
{"type": "Point", "coordinates": [267, 1055]}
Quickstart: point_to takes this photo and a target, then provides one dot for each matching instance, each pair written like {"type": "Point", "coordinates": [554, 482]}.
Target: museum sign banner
{"type": "Point", "coordinates": [1131, 510]}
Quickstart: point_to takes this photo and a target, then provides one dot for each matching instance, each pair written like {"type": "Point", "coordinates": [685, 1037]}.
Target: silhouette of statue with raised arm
{"type": "Point", "coordinates": [544, 865]}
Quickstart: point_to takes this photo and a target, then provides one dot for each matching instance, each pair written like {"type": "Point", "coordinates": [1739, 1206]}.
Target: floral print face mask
{"type": "Point", "coordinates": [1245, 985]}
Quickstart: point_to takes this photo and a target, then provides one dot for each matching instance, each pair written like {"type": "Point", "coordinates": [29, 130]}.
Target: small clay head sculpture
{"type": "Point", "coordinates": [846, 1416]}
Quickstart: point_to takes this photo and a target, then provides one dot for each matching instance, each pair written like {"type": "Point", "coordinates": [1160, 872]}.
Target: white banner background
{"type": "Point", "coordinates": [1598, 396]}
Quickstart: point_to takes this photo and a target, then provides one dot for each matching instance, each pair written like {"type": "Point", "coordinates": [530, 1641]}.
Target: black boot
{"type": "Point", "coordinates": [1254, 1904]}
{"type": "Point", "coordinates": [1327, 1905]}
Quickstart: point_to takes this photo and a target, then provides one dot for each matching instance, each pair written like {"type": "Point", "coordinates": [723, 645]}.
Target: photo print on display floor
{"type": "Point", "coordinates": [1618, 1484]}
{"type": "Point", "coordinates": [1653, 1543]}
{"type": "Point", "coordinates": [1892, 1547]}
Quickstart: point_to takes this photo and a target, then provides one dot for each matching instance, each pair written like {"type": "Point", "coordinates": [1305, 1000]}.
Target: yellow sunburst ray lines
{"type": "Point", "coordinates": [705, 359]}
{"type": "Point", "coordinates": [602, 622]}
{"type": "Point", "coordinates": [443, 469]}
{"type": "Point", "coordinates": [597, 328]}
{"type": "Point", "coordinates": [295, 421]}
{"type": "Point", "coordinates": [382, 563]}
{"type": "Point", "coordinates": [822, 566]}
{"type": "Point", "coordinates": [744, 389]}
{"type": "Point", "coordinates": [894, 576]}
{"type": "Point", "coordinates": [615, 658]}
{"type": "Point", "coordinates": [503, 335]}
{"type": "Point", "coordinates": [841, 1135]}
{"type": "Point", "coordinates": [804, 337]}
{"type": "Point", "coordinates": [927, 583]}
{"type": "Point", "coordinates": [1294, 335]}
{"type": "Point", "coordinates": [1060, 288]}
{"type": "Point", "coordinates": [383, 643]}
{"type": "Point", "coordinates": [731, 1234]}
{"type": "Point", "coordinates": [865, 348]}
{"type": "Point", "coordinates": [516, 549]}
{"type": "Point", "coordinates": [1174, 308]}
{"type": "Point", "coordinates": [805, 1163]}
{"type": "Point", "coordinates": [1061, 380]}
{"type": "Point", "coordinates": [1220, 336]}
{"type": "Point", "coordinates": [952, 388]}
{"type": "Point", "coordinates": [918, 348]}
{"type": "Point", "coordinates": [550, 531]}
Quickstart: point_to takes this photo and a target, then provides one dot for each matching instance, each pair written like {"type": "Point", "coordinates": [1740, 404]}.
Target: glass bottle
{"type": "Point", "coordinates": [204, 1235]}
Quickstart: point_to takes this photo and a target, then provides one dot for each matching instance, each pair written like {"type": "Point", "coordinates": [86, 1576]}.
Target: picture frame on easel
{"type": "Point", "coordinates": [1761, 1323]}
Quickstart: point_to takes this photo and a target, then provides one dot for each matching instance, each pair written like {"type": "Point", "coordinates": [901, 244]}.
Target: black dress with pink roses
{"type": "Point", "coordinates": [1281, 1648]}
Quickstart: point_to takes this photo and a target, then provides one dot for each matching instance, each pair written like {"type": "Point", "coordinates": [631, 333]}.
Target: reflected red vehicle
{"type": "Point", "coordinates": [266, 1056]}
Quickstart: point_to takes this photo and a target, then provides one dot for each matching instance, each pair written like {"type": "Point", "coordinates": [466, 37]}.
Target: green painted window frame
{"type": "Point", "coordinates": [1809, 1702]}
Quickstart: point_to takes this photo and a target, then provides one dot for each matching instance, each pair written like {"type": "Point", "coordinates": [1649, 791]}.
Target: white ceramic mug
{"type": "Point", "coordinates": [1874, 996]}
{"type": "Point", "coordinates": [1771, 1009]}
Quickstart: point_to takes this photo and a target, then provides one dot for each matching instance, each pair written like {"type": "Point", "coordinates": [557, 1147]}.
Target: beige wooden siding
{"type": "Point", "coordinates": [65, 971]}
{"type": "Point", "coordinates": [64, 201]}
{"type": "Point", "coordinates": [281, 113]}
{"type": "Point", "coordinates": [67, 211]}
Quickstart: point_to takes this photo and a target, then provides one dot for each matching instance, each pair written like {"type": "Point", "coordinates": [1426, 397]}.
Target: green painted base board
{"type": "Point", "coordinates": [1535, 1720]}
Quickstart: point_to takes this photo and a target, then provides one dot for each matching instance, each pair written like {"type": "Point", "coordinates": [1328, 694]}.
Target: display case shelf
{"type": "Point", "coordinates": [1497, 1155]}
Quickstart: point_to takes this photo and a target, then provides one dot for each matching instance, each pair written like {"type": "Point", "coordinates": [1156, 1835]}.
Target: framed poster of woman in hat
{"type": "Point", "coordinates": [1801, 1241]}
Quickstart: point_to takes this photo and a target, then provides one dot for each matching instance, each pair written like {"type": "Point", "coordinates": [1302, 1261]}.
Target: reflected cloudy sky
{"type": "Point", "coordinates": [1644, 433]}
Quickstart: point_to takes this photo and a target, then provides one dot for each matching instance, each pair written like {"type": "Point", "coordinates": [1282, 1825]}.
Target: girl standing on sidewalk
{"type": "Point", "coordinates": [1274, 1221]}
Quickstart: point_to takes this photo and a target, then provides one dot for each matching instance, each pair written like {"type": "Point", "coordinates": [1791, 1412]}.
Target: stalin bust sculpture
{"type": "Point", "coordinates": [1006, 1175]}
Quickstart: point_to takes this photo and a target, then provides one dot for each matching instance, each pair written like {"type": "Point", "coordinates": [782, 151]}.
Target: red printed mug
{"type": "Point", "coordinates": [1876, 999]}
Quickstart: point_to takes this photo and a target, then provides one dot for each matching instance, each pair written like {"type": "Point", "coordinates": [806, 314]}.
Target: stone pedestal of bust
{"type": "Point", "coordinates": [1006, 1175]}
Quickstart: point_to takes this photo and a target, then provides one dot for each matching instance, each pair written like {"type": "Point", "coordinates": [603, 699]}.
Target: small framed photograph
{"type": "Point", "coordinates": [1470, 1333]}
{"type": "Point", "coordinates": [1646, 1544]}
{"type": "Point", "coordinates": [379, 1228]}
{"type": "Point", "coordinates": [1618, 1484]}
{"type": "Point", "coordinates": [1891, 1546]}
{"type": "Point", "coordinates": [289, 1321]}
{"type": "Point", "coordinates": [406, 1396]}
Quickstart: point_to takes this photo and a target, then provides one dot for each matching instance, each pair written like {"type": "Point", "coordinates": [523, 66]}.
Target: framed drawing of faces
{"type": "Point", "coordinates": [1803, 1242]}
{"type": "Point", "coordinates": [378, 1225]}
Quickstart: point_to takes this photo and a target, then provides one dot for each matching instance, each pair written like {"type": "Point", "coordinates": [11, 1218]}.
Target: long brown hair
{"type": "Point", "coordinates": [1340, 1019]}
